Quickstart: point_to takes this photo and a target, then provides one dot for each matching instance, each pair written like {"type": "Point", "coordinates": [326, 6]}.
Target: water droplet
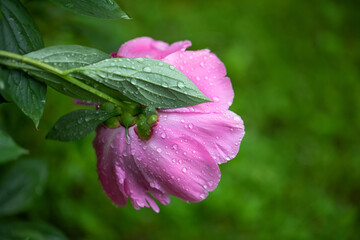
{"type": "Point", "coordinates": [202, 64]}
{"type": "Point", "coordinates": [202, 196]}
{"type": "Point", "coordinates": [175, 146]}
{"type": "Point", "coordinates": [184, 170]}
{"type": "Point", "coordinates": [139, 59]}
{"type": "Point", "coordinates": [2, 85]}
{"type": "Point", "coordinates": [181, 84]}
{"type": "Point", "coordinates": [172, 67]}
{"type": "Point", "coordinates": [191, 126]}
{"type": "Point", "coordinates": [160, 63]}
{"type": "Point", "coordinates": [163, 135]}
{"type": "Point", "coordinates": [147, 69]}
{"type": "Point", "coordinates": [159, 150]}
{"type": "Point", "coordinates": [198, 78]}
{"type": "Point", "coordinates": [216, 99]}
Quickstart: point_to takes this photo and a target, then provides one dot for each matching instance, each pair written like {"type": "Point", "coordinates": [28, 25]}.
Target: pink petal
{"type": "Point", "coordinates": [173, 162]}
{"type": "Point", "coordinates": [110, 163]}
{"type": "Point", "coordinates": [118, 172]}
{"type": "Point", "coordinates": [219, 133]}
{"type": "Point", "coordinates": [208, 73]}
{"type": "Point", "coordinates": [150, 48]}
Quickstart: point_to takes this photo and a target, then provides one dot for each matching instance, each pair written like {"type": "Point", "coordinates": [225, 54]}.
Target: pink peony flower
{"type": "Point", "coordinates": [181, 156]}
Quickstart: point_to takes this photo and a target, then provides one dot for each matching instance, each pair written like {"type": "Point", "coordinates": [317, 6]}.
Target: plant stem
{"type": "Point", "coordinates": [63, 74]}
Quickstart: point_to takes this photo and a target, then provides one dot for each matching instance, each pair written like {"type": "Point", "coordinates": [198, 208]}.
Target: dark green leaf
{"type": "Point", "coordinates": [28, 94]}
{"type": "Point", "coordinates": [8, 148]}
{"type": "Point", "coordinates": [19, 34]}
{"type": "Point", "coordinates": [78, 124]}
{"type": "Point", "coordinates": [95, 8]}
{"type": "Point", "coordinates": [147, 81]}
{"type": "Point", "coordinates": [19, 230]}
{"type": "Point", "coordinates": [21, 184]}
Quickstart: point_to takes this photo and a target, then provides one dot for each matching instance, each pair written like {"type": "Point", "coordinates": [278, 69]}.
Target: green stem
{"type": "Point", "coordinates": [63, 74]}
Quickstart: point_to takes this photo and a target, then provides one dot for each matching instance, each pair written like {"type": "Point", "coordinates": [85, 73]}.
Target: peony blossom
{"type": "Point", "coordinates": [186, 145]}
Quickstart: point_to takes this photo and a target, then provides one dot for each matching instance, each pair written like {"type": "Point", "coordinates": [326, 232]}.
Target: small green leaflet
{"type": "Point", "coordinates": [19, 34]}
{"type": "Point", "coordinates": [78, 124]}
{"type": "Point", "coordinates": [21, 185]}
{"type": "Point", "coordinates": [11, 230]}
{"type": "Point", "coordinates": [147, 81]}
{"type": "Point", "coordinates": [94, 8]}
{"type": "Point", "coordinates": [8, 148]}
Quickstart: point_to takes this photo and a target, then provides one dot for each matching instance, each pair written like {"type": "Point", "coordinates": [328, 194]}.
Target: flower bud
{"type": "Point", "coordinates": [151, 120]}
{"type": "Point", "coordinates": [142, 128]}
{"type": "Point", "coordinates": [107, 106]}
{"type": "Point", "coordinates": [112, 122]}
{"type": "Point", "coordinates": [127, 120]}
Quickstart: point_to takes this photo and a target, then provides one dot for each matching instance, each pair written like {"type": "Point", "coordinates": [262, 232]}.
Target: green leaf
{"type": "Point", "coordinates": [147, 81]}
{"type": "Point", "coordinates": [78, 124]}
{"type": "Point", "coordinates": [63, 58]}
{"type": "Point", "coordinates": [28, 94]}
{"type": "Point", "coordinates": [95, 8]}
{"type": "Point", "coordinates": [21, 184]}
{"type": "Point", "coordinates": [19, 34]}
{"type": "Point", "coordinates": [8, 148]}
{"type": "Point", "coordinates": [20, 230]}
{"type": "Point", "coordinates": [67, 57]}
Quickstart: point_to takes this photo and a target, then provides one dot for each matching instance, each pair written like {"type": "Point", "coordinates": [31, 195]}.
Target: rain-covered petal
{"type": "Point", "coordinates": [174, 162]}
{"type": "Point", "coordinates": [220, 134]}
{"type": "Point", "coordinates": [149, 48]}
{"type": "Point", "coordinates": [118, 173]}
{"type": "Point", "coordinates": [208, 73]}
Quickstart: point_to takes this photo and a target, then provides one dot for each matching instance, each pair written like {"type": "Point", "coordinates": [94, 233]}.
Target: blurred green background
{"type": "Point", "coordinates": [295, 70]}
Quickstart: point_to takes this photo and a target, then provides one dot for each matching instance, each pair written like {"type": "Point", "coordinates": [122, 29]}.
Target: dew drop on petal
{"type": "Point", "coordinates": [163, 135]}
{"type": "Point", "coordinates": [184, 170]}
{"type": "Point", "coordinates": [159, 150]}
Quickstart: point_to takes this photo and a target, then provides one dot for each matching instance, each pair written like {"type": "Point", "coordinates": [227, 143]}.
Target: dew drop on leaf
{"type": "Point", "coordinates": [147, 69]}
